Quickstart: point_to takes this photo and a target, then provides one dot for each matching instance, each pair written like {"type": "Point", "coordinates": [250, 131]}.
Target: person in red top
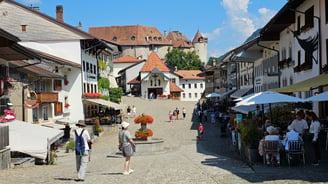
{"type": "Point", "coordinates": [201, 130]}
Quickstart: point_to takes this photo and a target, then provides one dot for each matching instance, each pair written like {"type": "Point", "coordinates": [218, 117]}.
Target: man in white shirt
{"type": "Point", "coordinates": [299, 124]}
{"type": "Point", "coordinates": [83, 158]}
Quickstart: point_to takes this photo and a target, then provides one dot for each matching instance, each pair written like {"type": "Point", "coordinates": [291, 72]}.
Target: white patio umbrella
{"type": "Point", "coordinates": [268, 97]}
{"type": "Point", "coordinates": [213, 95]}
{"type": "Point", "coordinates": [318, 98]}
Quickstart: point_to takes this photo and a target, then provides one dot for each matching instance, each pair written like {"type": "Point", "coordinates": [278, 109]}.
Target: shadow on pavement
{"type": "Point", "coordinates": [226, 156]}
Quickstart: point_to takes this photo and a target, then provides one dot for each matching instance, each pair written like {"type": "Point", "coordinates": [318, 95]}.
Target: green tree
{"type": "Point", "coordinates": [115, 94]}
{"type": "Point", "coordinates": [183, 60]}
{"type": "Point", "coordinates": [103, 83]}
{"type": "Point", "coordinates": [211, 60]}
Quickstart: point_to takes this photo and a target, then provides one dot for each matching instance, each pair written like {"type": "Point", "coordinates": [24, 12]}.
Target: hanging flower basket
{"type": "Point", "coordinates": [67, 105]}
{"type": "Point", "coordinates": [144, 119]}
{"type": "Point", "coordinates": [66, 82]}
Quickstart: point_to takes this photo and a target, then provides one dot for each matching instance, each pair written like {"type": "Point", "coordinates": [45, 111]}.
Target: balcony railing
{"type": "Point", "coordinates": [47, 97]}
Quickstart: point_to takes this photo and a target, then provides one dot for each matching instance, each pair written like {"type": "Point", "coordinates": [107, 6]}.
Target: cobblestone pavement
{"type": "Point", "coordinates": [184, 159]}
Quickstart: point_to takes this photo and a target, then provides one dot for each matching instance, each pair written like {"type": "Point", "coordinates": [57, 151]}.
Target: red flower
{"type": "Point", "coordinates": [144, 119]}
{"type": "Point", "coordinates": [66, 82]}
{"type": "Point", "coordinates": [143, 134]}
{"type": "Point", "coordinates": [67, 105]}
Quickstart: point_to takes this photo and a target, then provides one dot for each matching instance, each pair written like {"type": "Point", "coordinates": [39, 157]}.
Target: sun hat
{"type": "Point", "coordinates": [125, 124]}
{"type": "Point", "coordinates": [81, 123]}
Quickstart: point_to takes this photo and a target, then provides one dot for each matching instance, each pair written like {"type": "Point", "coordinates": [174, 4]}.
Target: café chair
{"type": "Point", "coordinates": [295, 148]}
{"type": "Point", "coordinates": [270, 149]}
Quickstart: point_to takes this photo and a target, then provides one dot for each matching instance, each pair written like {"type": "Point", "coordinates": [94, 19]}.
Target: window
{"type": "Point", "coordinates": [24, 28]}
{"type": "Point", "coordinates": [309, 21]}
{"type": "Point", "coordinates": [58, 108]}
{"type": "Point", "coordinates": [283, 54]}
{"type": "Point", "coordinates": [94, 69]}
{"type": "Point", "coordinates": [189, 86]}
{"type": "Point", "coordinates": [114, 39]}
{"type": "Point", "coordinates": [327, 49]}
{"type": "Point", "coordinates": [195, 95]}
{"type": "Point", "coordinates": [195, 85]}
{"type": "Point", "coordinates": [159, 82]}
{"type": "Point", "coordinates": [183, 86]}
{"type": "Point", "coordinates": [326, 10]}
{"type": "Point", "coordinates": [201, 85]}
{"type": "Point", "coordinates": [57, 85]}
{"type": "Point", "coordinates": [88, 67]}
{"type": "Point", "coordinates": [183, 95]}
{"type": "Point", "coordinates": [151, 82]}
{"type": "Point", "coordinates": [173, 80]}
{"type": "Point", "coordinates": [133, 38]}
{"type": "Point", "coordinates": [189, 95]}
{"type": "Point", "coordinates": [308, 58]}
{"type": "Point", "coordinates": [299, 58]}
{"type": "Point", "coordinates": [83, 65]}
{"type": "Point", "coordinates": [298, 24]}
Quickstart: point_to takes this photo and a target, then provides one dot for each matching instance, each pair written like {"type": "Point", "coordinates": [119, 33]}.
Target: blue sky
{"type": "Point", "coordinates": [227, 23]}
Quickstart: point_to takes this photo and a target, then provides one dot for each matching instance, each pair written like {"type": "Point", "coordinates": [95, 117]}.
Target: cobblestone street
{"type": "Point", "coordinates": [184, 159]}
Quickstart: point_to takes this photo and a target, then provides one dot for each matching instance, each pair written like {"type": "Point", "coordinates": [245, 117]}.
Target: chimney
{"type": "Point", "coordinates": [60, 13]}
{"type": "Point", "coordinates": [79, 26]}
{"type": "Point", "coordinates": [35, 8]}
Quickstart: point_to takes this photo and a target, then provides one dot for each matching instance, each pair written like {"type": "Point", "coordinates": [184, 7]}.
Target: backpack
{"type": "Point", "coordinates": [79, 144]}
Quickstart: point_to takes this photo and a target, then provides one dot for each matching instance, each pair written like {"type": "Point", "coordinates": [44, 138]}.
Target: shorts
{"type": "Point", "coordinates": [127, 150]}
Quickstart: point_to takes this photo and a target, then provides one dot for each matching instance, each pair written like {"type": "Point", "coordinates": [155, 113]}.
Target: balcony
{"type": "Point", "coordinates": [47, 97]}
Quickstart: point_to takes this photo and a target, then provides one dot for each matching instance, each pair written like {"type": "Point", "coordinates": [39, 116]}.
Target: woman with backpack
{"type": "Point", "coordinates": [82, 138]}
{"type": "Point", "coordinates": [127, 146]}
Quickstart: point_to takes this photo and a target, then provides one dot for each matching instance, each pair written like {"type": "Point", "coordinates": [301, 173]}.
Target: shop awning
{"type": "Point", "coordinates": [306, 85]}
{"type": "Point", "coordinates": [227, 92]}
{"type": "Point", "coordinates": [241, 92]}
{"type": "Point", "coordinates": [32, 139]}
{"type": "Point", "coordinates": [116, 106]}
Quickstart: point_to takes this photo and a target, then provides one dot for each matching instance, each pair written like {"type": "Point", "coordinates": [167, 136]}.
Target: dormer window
{"type": "Point", "coordinates": [24, 28]}
{"type": "Point", "coordinates": [114, 39]}
{"type": "Point", "coordinates": [133, 38]}
{"type": "Point", "coordinates": [160, 39]}
{"type": "Point", "coordinates": [155, 38]}
{"type": "Point", "coordinates": [150, 38]}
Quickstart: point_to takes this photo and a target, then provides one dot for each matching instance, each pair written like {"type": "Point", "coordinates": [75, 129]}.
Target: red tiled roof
{"type": "Point", "coordinates": [152, 62]}
{"type": "Point", "coordinates": [126, 59]}
{"type": "Point", "coordinates": [134, 81]}
{"type": "Point", "coordinates": [179, 40]}
{"type": "Point", "coordinates": [130, 35]}
{"type": "Point", "coordinates": [189, 74]}
{"type": "Point", "coordinates": [174, 87]}
{"type": "Point", "coordinates": [199, 38]}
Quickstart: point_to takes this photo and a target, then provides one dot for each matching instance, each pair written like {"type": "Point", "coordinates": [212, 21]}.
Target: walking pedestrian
{"type": "Point", "coordinates": [127, 146]}
{"type": "Point", "coordinates": [82, 138]}
{"type": "Point", "coordinates": [314, 133]}
{"type": "Point", "coordinates": [177, 112]}
{"type": "Point", "coordinates": [200, 130]}
{"type": "Point", "coordinates": [128, 110]}
{"type": "Point", "coordinates": [134, 111]}
{"type": "Point", "coordinates": [171, 116]}
{"type": "Point", "coordinates": [184, 111]}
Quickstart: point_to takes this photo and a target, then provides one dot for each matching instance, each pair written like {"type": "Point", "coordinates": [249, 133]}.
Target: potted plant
{"type": "Point", "coordinates": [250, 137]}
{"type": "Point", "coordinates": [144, 133]}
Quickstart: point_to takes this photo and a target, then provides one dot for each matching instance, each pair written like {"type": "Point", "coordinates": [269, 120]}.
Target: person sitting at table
{"type": "Point", "coordinates": [299, 124]}
{"type": "Point", "coordinates": [272, 136]}
{"type": "Point", "coordinates": [292, 135]}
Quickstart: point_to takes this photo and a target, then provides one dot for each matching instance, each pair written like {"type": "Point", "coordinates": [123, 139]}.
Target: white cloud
{"type": "Point", "coordinates": [265, 16]}
{"type": "Point", "coordinates": [214, 34]}
{"type": "Point", "coordinates": [238, 15]}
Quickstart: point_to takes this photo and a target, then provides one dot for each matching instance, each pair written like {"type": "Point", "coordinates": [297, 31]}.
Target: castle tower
{"type": "Point", "coordinates": [200, 44]}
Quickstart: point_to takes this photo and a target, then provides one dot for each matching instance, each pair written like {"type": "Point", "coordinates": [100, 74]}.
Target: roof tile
{"type": "Point", "coordinates": [126, 59]}
{"type": "Point", "coordinates": [153, 62]}
{"type": "Point", "coordinates": [174, 87]}
{"type": "Point", "coordinates": [189, 74]}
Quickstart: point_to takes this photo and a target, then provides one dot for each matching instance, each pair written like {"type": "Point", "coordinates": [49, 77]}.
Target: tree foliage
{"type": "Point", "coordinates": [115, 94]}
{"type": "Point", "coordinates": [211, 60]}
{"type": "Point", "coordinates": [183, 60]}
{"type": "Point", "coordinates": [103, 83]}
